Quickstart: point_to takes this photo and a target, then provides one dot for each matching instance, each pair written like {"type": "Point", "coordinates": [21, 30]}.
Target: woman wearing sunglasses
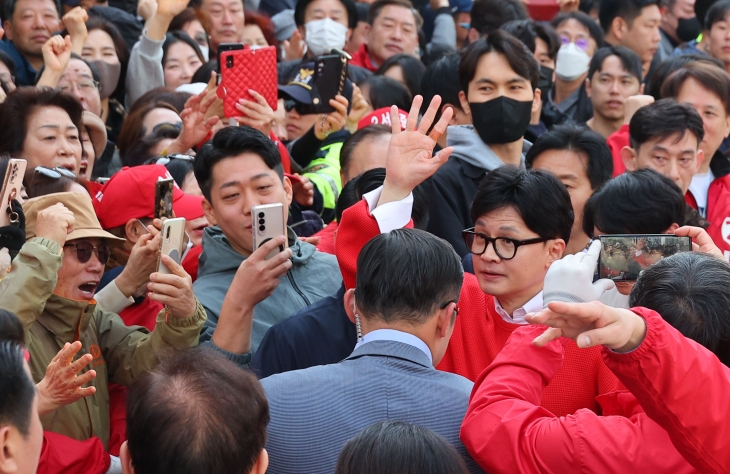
{"type": "Point", "coordinates": [51, 288]}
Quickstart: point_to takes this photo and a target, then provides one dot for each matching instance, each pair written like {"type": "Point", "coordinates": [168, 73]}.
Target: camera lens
{"type": "Point", "coordinates": [261, 215]}
{"type": "Point", "coordinates": [262, 228]}
{"type": "Point", "coordinates": [261, 221]}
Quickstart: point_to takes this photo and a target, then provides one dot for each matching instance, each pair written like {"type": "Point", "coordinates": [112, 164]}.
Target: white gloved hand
{"type": "Point", "coordinates": [570, 279]}
{"type": "Point", "coordinates": [115, 467]}
{"type": "Point", "coordinates": [615, 299]}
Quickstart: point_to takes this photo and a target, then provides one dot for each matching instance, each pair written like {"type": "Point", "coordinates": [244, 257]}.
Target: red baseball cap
{"type": "Point", "coordinates": [130, 194]}
{"type": "Point", "coordinates": [382, 116]}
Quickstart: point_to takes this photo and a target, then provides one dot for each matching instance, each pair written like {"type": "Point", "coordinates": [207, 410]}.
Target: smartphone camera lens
{"type": "Point", "coordinates": [262, 228]}
{"type": "Point", "coordinates": [261, 221]}
{"type": "Point", "coordinates": [261, 215]}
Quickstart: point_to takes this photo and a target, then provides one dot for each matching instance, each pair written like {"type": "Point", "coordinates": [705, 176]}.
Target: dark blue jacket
{"type": "Point", "coordinates": [25, 74]}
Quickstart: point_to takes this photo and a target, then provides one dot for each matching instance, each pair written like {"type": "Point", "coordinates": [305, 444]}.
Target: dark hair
{"type": "Point", "coordinates": [133, 129]}
{"type": "Point", "coordinates": [442, 78]}
{"type": "Point", "coordinates": [141, 150]}
{"type": "Point", "coordinates": [9, 9]}
{"type": "Point", "coordinates": [204, 71]}
{"type": "Point", "coordinates": [669, 66]}
{"type": "Point", "coordinates": [412, 68]}
{"type": "Point", "coordinates": [716, 13]}
{"type": "Point", "coordinates": [230, 142]}
{"type": "Point", "coordinates": [637, 202]}
{"type": "Point", "coordinates": [394, 447]}
{"type": "Point", "coordinates": [9, 63]}
{"type": "Point", "coordinates": [690, 291]}
{"type": "Point", "coordinates": [629, 60]}
{"type": "Point", "coordinates": [179, 170]}
{"type": "Point", "coordinates": [169, 96]}
{"type": "Point", "coordinates": [589, 6]}
{"type": "Point", "coordinates": [537, 195]}
{"type": "Point", "coordinates": [406, 275]}
{"type": "Point", "coordinates": [528, 31]}
{"type": "Point", "coordinates": [488, 15]}
{"type": "Point", "coordinates": [663, 119]}
{"type": "Point", "coordinates": [370, 180]}
{"type": "Point", "coordinates": [712, 78]}
{"type": "Point", "coordinates": [11, 329]}
{"type": "Point", "coordinates": [367, 133]}
{"type": "Point", "coordinates": [196, 412]}
{"type": "Point", "coordinates": [628, 10]}
{"type": "Point", "coordinates": [589, 23]}
{"type": "Point", "coordinates": [183, 18]}
{"type": "Point", "coordinates": [301, 8]}
{"type": "Point", "coordinates": [264, 24]}
{"type": "Point", "coordinates": [17, 390]}
{"type": "Point", "coordinates": [96, 22]}
{"type": "Point", "coordinates": [586, 143]}
{"type": "Point", "coordinates": [520, 59]}
{"type": "Point", "coordinates": [92, 68]}
{"type": "Point", "coordinates": [384, 92]}
{"type": "Point", "coordinates": [180, 36]}
{"type": "Point", "coordinates": [378, 5]}
{"type": "Point", "coordinates": [21, 104]}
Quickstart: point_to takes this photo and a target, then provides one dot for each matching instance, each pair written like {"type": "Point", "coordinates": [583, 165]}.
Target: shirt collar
{"type": "Point", "coordinates": [518, 316]}
{"type": "Point", "coordinates": [400, 336]}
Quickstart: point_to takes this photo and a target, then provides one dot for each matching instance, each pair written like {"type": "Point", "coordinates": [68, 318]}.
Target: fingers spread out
{"type": "Point", "coordinates": [412, 121]}
{"type": "Point", "coordinates": [440, 127]}
{"type": "Point", "coordinates": [430, 114]}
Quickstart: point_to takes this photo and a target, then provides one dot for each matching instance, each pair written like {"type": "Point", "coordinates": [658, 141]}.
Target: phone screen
{"type": "Point", "coordinates": [163, 198]}
{"type": "Point", "coordinates": [624, 257]}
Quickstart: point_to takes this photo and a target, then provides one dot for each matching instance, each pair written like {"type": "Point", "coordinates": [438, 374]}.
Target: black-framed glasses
{"type": "Point", "coordinates": [504, 247]}
{"type": "Point", "coordinates": [85, 249]}
{"type": "Point", "coordinates": [55, 173]}
{"type": "Point", "coordinates": [290, 105]}
{"type": "Point", "coordinates": [165, 160]}
{"type": "Point", "coordinates": [456, 309]}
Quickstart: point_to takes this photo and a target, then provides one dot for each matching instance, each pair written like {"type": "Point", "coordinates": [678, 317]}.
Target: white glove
{"type": "Point", "coordinates": [615, 299]}
{"type": "Point", "coordinates": [115, 467]}
{"type": "Point", "coordinates": [570, 279]}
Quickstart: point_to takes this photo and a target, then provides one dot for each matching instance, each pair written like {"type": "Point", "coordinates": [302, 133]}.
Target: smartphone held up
{"type": "Point", "coordinates": [268, 222]}
{"type": "Point", "coordinates": [624, 257]}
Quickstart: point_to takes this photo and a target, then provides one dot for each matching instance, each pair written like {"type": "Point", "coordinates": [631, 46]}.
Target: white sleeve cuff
{"type": "Point", "coordinates": [111, 299]}
{"type": "Point", "coordinates": [391, 215]}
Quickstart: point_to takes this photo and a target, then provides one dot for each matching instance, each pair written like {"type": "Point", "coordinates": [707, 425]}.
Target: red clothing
{"type": "Point", "coordinates": [191, 261]}
{"type": "Point", "coordinates": [718, 212]}
{"type": "Point", "coordinates": [616, 142]}
{"type": "Point", "coordinates": [506, 430]}
{"type": "Point", "coordinates": [285, 159]}
{"type": "Point", "coordinates": [61, 454]}
{"type": "Point", "coordinates": [327, 238]}
{"type": "Point", "coordinates": [361, 58]}
{"type": "Point", "coordinates": [480, 333]}
{"type": "Point", "coordinates": [683, 387]}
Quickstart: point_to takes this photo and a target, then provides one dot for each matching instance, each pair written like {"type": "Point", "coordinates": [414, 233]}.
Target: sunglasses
{"type": "Point", "coordinates": [54, 173]}
{"type": "Point", "coordinates": [165, 160]}
{"type": "Point", "coordinates": [167, 126]}
{"type": "Point", "coordinates": [290, 105]}
{"type": "Point", "coordinates": [85, 249]}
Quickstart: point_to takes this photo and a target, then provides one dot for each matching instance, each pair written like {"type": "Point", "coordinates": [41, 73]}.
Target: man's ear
{"type": "Point", "coordinates": [302, 31]}
{"type": "Point", "coordinates": [588, 87]}
{"type": "Point", "coordinates": [619, 28]}
{"type": "Point", "coordinates": [473, 35]}
{"type": "Point", "coordinates": [464, 103]}
{"type": "Point", "coordinates": [700, 159]}
{"type": "Point", "coordinates": [133, 231]}
{"type": "Point", "coordinates": [555, 251]}
{"type": "Point", "coordinates": [126, 459]}
{"type": "Point", "coordinates": [444, 320]}
{"type": "Point", "coordinates": [628, 156]}
{"type": "Point", "coordinates": [8, 27]}
{"type": "Point", "coordinates": [350, 304]}
{"type": "Point", "coordinates": [209, 212]}
{"type": "Point", "coordinates": [536, 101]}
{"type": "Point", "coordinates": [288, 191]}
{"type": "Point", "coordinates": [262, 463]}
{"type": "Point", "coordinates": [642, 87]}
{"type": "Point", "coordinates": [7, 451]}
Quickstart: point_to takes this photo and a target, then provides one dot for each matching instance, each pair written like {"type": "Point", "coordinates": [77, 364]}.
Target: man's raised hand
{"type": "Point", "coordinates": [410, 160]}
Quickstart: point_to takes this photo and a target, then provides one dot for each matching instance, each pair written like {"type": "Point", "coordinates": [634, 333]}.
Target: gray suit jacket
{"type": "Point", "coordinates": [316, 410]}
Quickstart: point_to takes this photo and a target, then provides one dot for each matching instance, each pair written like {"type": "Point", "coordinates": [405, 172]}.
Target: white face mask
{"type": "Point", "coordinates": [206, 52]}
{"type": "Point", "coordinates": [325, 35]}
{"type": "Point", "coordinates": [572, 62]}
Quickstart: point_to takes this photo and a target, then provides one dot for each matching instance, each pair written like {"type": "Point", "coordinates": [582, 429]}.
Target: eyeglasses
{"type": "Point", "coordinates": [167, 126]}
{"type": "Point", "coordinates": [505, 248]}
{"type": "Point", "coordinates": [165, 160]}
{"type": "Point", "coordinates": [54, 173]}
{"type": "Point", "coordinates": [582, 43]}
{"type": "Point", "coordinates": [84, 86]}
{"type": "Point", "coordinates": [85, 249]}
{"type": "Point", "coordinates": [290, 105]}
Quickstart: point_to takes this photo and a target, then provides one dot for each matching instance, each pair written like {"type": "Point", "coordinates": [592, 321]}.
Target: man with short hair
{"type": "Point", "coordinates": [634, 24]}
{"type": "Point", "coordinates": [223, 20]}
{"type": "Point", "coordinates": [243, 292]}
{"type": "Point", "coordinates": [498, 78]}
{"type": "Point", "coordinates": [488, 15]}
{"type": "Point", "coordinates": [196, 413]}
{"type": "Point", "coordinates": [21, 433]}
{"type": "Point", "coordinates": [404, 305]}
{"type": "Point", "coordinates": [614, 76]}
{"type": "Point", "coordinates": [678, 26]}
{"type": "Point", "coordinates": [665, 136]}
{"type": "Point", "coordinates": [28, 25]}
{"type": "Point", "coordinates": [393, 30]}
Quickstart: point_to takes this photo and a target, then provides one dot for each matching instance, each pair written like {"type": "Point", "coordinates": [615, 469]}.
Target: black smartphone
{"type": "Point", "coordinates": [163, 198]}
{"type": "Point", "coordinates": [624, 257]}
{"type": "Point", "coordinates": [223, 47]}
{"type": "Point", "coordinates": [330, 73]}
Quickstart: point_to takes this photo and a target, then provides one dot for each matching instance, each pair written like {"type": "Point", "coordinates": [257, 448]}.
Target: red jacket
{"type": "Point", "coordinates": [684, 388]}
{"type": "Point", "coordinates": [616, 142]}
{"type": "Point", "coordinates": [63, 455]}
{"type": "Point", "coordinates": [480, 333]}
{"type": "Point", "coordinates": [327, 238]}
{"type": "Point", "coordinates": [361, 58]}
{"type": "Point", "coordinates": [506, 430]}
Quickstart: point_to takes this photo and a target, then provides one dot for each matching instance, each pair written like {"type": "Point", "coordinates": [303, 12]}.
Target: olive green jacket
{"type": "Point", "coordinates": [121, 353]}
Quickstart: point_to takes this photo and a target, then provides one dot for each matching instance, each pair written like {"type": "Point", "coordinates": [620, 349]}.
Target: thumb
{"type": "Point", "coordinates": [604, 285]}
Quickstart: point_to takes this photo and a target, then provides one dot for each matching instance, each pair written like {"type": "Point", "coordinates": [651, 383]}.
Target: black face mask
{"type": "Point", "coordinates": [688, 29]}
{"type": "Point", "coordinates": [546, 79]}
{"type": "Point", "coordinates": [501, 120]}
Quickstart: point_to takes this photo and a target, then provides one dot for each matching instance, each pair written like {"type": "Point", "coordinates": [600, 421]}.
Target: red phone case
{"type": "Point", "coordinates": [248, 69]}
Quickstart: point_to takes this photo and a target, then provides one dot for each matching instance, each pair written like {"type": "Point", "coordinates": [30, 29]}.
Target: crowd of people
{"type": "Point", "coordinates": [434, 304]}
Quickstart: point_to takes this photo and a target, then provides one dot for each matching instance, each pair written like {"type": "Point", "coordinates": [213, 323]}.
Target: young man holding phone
{"type": "Point", "coordinates": [243, 292]}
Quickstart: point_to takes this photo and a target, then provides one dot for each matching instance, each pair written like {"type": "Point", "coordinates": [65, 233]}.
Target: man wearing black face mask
{"type": "Point", "coordinates": [679, 25]}
{"type": "Point", "coordinates": [498, 76]}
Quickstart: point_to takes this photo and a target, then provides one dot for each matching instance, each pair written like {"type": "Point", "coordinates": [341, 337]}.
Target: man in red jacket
{"type": "Point", "coordinates": [511, 256]}
{"type": "Point", "coordinates": [681, 385]}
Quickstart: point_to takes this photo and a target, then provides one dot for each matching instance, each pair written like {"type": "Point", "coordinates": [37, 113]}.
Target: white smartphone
{"type": "Point", "coordinates": [12, 187]}
{"type": "Point", "coordinates": [267, 222]}
{"type": "Point", "coordinates": [173, 242]}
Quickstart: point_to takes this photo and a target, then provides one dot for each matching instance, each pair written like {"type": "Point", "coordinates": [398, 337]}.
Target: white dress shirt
{"type": "Point", "coordinates": [518, 316]}
{"type": "Point", "coordinates": [391, 215]}
{"type": "Point", "coordinates": [397, 336]}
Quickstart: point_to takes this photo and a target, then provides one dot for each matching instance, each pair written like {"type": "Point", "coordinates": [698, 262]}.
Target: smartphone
{"type": "Point", "coordinates": [248, 69]}
{"type": "Point", "coordinates": [163, 198]}
{"type": "Point", "coordinates": [330, 73]}
{"type": "Point", "coordinates": [12, 188]}
{"type": "Point", "coordinates": [268, 221]}
{"type": "Point", "coordinates": [173, 242]}
{"type": "Point", "coordinates": [624, 257]}
{"type": "Point", "coordinates": [222, 48]}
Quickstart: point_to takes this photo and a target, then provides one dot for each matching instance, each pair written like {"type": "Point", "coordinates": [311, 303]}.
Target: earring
{"type": "Point", "coordinates": [358, 328]}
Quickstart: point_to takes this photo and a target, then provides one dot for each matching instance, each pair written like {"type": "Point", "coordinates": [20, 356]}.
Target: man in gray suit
{"type": "Point", "coordinates": [405, 306]}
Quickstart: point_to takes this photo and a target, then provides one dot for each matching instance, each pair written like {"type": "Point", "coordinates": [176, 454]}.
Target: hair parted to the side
{"type": "Point", "coordinates": [663, 119]}
{"type": "Point", "coordinates": [17, 390]}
